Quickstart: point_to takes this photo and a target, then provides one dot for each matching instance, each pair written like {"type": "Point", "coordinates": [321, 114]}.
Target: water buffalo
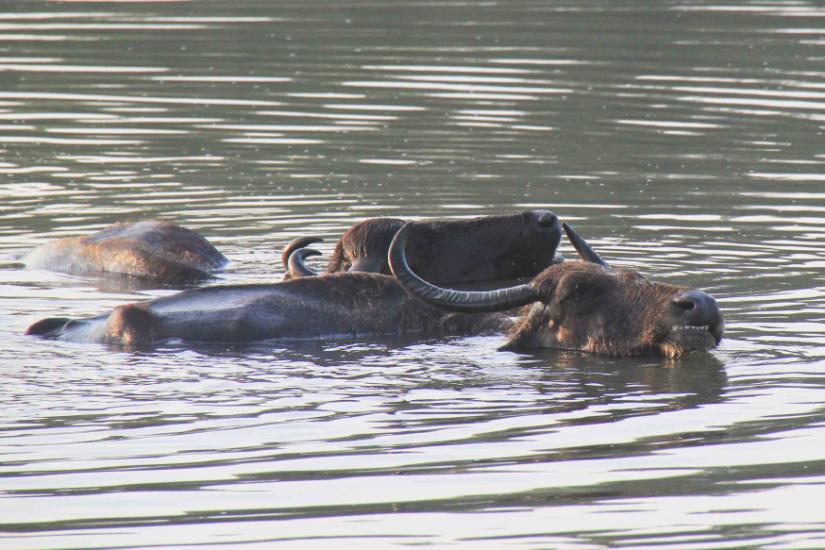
{"type": "Point", "coordinates": [487, 248]}
{"type": "Point", "coordinates": [341, 305]}
{"type": "Point", "coordinates": [584, 305]}
{"type": "Point", "coordinates": [151, 250]}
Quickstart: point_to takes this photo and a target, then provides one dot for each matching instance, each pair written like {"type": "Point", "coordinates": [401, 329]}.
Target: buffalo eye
{"type": "Point", "coordinates": [582, 291]}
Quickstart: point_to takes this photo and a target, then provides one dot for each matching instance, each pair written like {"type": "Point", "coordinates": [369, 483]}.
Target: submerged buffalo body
{"type": "Point", "coordinates": [585, 306]}
{"type": "Point", "coordinates": [343, 305]}
{"type": "Point", "coordinates": [486, 248]}
{"type": "Point", "coordinates": [152, 250]}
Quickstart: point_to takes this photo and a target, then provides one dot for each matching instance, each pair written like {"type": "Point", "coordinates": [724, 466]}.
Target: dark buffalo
{"type": "Point", "coordinates": [585, 306]}
{"type": "Point", "coordinates": [487, 248]}
{"type": "Point", "coordinates": [151, 250]}
{"type": "Point", "coordinates": [341, 305]}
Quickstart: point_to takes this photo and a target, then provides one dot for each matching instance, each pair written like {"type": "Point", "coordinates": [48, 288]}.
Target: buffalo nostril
{"type": "Point", "coordinates": [698, 308]}
{"type": "Point", "coordinates": [686, 304]}
{"type": "Point", "coordinates": [548, 219]}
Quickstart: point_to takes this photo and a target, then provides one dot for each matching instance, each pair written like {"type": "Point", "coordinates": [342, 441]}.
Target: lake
{"type": "Point", "coordinates": [682, 138]}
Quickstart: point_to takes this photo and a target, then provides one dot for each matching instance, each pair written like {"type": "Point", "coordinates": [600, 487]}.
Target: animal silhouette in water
{"type": "Point", "coordinates": [151, 250]}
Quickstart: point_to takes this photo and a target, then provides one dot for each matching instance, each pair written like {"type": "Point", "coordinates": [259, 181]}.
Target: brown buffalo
{"type": "Point", "coordinates": [153, 250]}
{"type": "Point", "coordinates": [487, 248]}
{"type": "Point", "coordinates": [585, 306]}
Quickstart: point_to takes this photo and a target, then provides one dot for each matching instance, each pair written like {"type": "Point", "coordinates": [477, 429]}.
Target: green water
{"type": "Point", "coordinates": [681, 138]}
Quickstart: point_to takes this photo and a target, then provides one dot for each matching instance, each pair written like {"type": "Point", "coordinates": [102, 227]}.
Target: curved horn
{"type": "Point", "coordinates": [585, 250]}
{"type": "Point", "coordinates": [296, 265]}
{"type": "Point", "coordinates": [453, 300]}
{"type": "Point", "coordinates": [294, 245]}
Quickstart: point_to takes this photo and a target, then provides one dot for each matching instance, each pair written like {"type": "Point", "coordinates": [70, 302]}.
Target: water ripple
{"type": "Point", "coordinates": [682, 140]}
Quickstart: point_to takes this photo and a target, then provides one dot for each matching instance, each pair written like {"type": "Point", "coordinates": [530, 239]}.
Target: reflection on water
{"type": "Point", "coordinates": [680, 138]}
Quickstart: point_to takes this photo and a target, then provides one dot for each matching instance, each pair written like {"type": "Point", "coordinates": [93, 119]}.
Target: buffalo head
{"type": "Point", "coordinates": [585, 305]}
{"type": "Point", "coordinates": [485, 248]}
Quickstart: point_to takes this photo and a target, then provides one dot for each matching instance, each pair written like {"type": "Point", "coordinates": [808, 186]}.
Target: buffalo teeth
{"type": "Point", "coordinates": [696, 328]}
